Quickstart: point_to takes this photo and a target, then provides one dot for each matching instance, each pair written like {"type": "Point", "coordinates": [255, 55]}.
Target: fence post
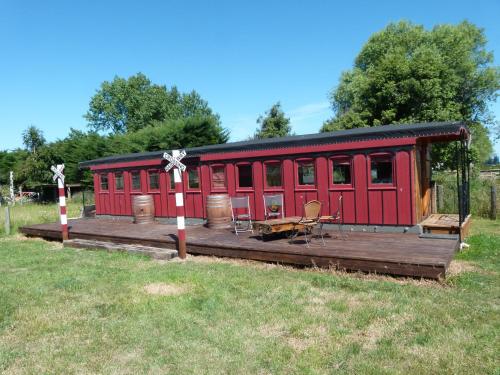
{"type": "Point", "coordinates": [440, 198]}
{"type": "Point", "coordinates": [433, 197]}
{"type": "Point", "coordinates": [7, 220]}
{"type": "Point", "coordinates": [493, 212]}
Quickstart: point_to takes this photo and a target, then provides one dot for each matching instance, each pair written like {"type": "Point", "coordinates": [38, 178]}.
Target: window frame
{"type": "Point", "coordinates": [148, 182]}
{"type": "Point", "coordinates": [340, 159]}
{"type": "Point", "coordinates": [131, 173]}
{"type": "Point", "coordinates": [107, 182]}
{"type": "Point", "coordinates": [274, 162]}
{"type": "Point", "coordinates": [197, 169]}
{"type": "Point", "coordinates": [383, 185]}
{"type": "Point", "coordinates": [123, 181]}
{"type": "Point", "coordinates": [299, 162]}
{"type": "Point", "coordinates": [171, 181]}
{"type": "Point", "coordinates": [212, 187]}
{"type": "Point", "coordinates": [237, 175]}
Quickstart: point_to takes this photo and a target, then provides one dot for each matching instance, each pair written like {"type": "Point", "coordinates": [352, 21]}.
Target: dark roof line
{"type": "Point", "coordinates": [351, 135]}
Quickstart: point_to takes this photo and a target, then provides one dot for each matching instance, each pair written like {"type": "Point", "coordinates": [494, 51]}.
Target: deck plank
{"type": "Point", "coordinates": [392, 253]}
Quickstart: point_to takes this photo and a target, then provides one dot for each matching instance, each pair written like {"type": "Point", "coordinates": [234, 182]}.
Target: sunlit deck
{"type": "Point", "coordinates": [388, 253]}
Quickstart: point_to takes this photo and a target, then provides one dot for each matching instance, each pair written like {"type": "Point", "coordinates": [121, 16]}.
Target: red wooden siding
{"type": "Point", "coordinates": [363, 202]}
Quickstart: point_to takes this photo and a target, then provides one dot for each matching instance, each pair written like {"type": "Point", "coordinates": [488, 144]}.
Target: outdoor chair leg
{"type": "Point", "coordinates": [321, 233]}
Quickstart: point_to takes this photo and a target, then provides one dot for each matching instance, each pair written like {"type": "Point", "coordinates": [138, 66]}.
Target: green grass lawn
{"type": "Point", "coordinates": [69, 311]}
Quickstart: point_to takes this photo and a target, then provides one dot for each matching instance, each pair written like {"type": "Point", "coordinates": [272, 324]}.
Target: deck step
{"type": "Point", "coordinates": [153, 252]}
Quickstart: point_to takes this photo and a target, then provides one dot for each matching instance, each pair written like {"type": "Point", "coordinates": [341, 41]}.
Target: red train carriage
{"type": "Point", "coordinates": [382, 173]}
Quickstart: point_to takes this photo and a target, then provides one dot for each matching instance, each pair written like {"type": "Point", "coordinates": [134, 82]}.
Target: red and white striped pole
{"type": "Point", "coordinates": [179, 205]}
{"type": "Point", "coordinates": [58, 175]}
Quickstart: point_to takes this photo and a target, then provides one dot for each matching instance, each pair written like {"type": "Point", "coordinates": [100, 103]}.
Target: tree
{"type": "Point", "coordinates": [125, 105]}
{"type": "Point", "coordinates": [33, 138]}
{"type": "Point", "coordinates": [273, 124]}
{"type": "Point", "coordinates": [406, 74]}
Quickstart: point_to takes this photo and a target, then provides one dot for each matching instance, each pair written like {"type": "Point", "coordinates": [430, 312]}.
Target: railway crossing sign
{"type": "Point", "coordinates": [175, 160]}
{"type": "Point", "coordinates": [58, 172]}
{"type": "Point", "coordinates": [59, 177]}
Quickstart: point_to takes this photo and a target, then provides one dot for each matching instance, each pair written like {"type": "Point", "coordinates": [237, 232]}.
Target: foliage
{"type": "Point", "coordinates": [480, 193]}
{"type": "Point", "coordinates": [33, 138]}
{"type": "Point", "coordinates": [406, 74]}
{"type": "Point", "coordinates": [273, 124]}
{"type": "Point", "coordinates": [80, 146]}
{"type": "Point", "coordinates": [127, 105]}
{"type": "Point", "coordinates": [11, 161]}
{"type": "Point", "coordinates": [67, 311]}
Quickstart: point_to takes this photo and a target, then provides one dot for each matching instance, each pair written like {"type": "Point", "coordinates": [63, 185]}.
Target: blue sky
{"type": "Point", "coordinates": [240, 56]}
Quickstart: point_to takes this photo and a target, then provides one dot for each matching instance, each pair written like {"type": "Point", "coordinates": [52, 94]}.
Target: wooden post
{"type": "Point", "coordinates": [58, 175]}
{"type": "Point", "coordinates": [433, 197]}
{"type": "Point", "coordinates": [178, 168]}
{"type": "Point", "coordinates": [11, 188]}
{"type": "Point", "coordinates": [7, 220]}
{"type": "Point", "coordinates": [493, 211]}
{"type": "Point", "coordinates": [440, 197]}
{"type": "Point", "coordinates": [179, 203]}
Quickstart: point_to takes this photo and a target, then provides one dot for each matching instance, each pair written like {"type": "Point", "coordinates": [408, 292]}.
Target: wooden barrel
{"type": "Point", "coordinates": [144, 209]}
{"type": "Point", "coordinates": [218, 211]}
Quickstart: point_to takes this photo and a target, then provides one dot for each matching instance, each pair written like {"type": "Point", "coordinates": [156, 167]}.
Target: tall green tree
{"type": "Point", "coordinates": [33, 138]}
{"type": "Point", "coordinates": [125, 105]}
{"type": "Point", "coordinates": [273, 124]}
{"type": "Point", "coordinates": [407, 74]}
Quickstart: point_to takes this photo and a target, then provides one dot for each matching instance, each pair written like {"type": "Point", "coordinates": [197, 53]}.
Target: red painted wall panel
{"type": "Point", "coordinates": [322, 184]}
{"type": "Point", "coordinates": [375, 212]}
{"type": "Point", "coordinates": [361, 192]}
{"type": "Point", "coordinates": [389, 206]}
{"type": "Point", "coordinates": [289, 187]}
{"type": "Point", "coordinates": [362, 203]}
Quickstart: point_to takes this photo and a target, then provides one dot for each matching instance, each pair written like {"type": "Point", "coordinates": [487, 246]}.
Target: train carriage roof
{"type": "Point", "coordinates": [433, 131]}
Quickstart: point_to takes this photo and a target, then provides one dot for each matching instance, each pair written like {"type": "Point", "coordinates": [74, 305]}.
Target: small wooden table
{"type": "Point", "coordinates": [286, 224]}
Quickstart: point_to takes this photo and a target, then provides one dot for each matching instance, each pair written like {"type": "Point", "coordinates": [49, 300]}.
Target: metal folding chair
{"type": "Point", "coordinates": [237, 204]}
{"type": "Point", "coordinates": [273, 206]}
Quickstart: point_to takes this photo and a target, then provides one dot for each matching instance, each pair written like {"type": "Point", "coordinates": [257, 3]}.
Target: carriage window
{"type": "Point", "coordinates": [245, 176]}
{"type": "Point", "coordinates": [136, 180]}
{"type": "Point", "coordinates": [172, 180]}
{"type": "Point", "coordinates": [218, 177]}
{"type": "Point", "coordinates": [119, 181]}
{"type": "Point", "coordinates": [154, 180]}
{"type": "Point", "coordinates": [341, 172]}
{"type": "Point", "coordinates": [193, 178]}
{"type": "Point", "coordinates": [104, 182]}
{"type": "Point", "coordinates": [273, 174]}
{"type": "Point", "coordinates": [306, 173]}
{"type": "Point", "coordinates": [381, 169]}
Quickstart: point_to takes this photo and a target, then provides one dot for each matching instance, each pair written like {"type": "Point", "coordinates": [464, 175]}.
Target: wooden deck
{"type": "Point", "coordinates": [388, 253]}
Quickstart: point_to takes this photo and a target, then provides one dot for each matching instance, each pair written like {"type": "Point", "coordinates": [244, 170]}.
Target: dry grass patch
{"type": "Point", "coordinates": [460, 266]}
{"type": "Point", "coordinates": [378, 329]}
{"type": "Point", "coordinates": [164, 289]}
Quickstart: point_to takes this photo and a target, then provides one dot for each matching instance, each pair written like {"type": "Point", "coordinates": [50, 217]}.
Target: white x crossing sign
{"type": "Point", "coordinates": [58, 172]}
{"type": "Point", "coordinates": [174, 161]}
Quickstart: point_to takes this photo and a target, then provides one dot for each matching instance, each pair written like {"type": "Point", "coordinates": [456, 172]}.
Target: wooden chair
{"type": "Point", "coordinates": [237, 204]}
{"type": "Point", "coordinates": [309, 219]}
{"type": "Point", "coordinates": [273, 206]}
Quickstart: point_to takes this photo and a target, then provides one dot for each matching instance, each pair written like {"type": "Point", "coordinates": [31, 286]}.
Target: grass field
{"type": "Point", "coordinates": [69, 311]}
{"type": "Point", "coordinates": [35, 213]}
